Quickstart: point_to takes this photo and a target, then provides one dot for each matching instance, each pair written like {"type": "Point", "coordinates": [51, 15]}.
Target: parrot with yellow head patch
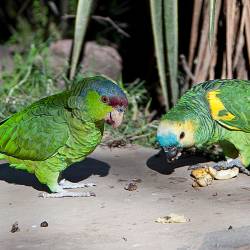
{"type": "Point", "coordinates": [59, 130]}
{"type": "Point", "coordinates": [216, 111]}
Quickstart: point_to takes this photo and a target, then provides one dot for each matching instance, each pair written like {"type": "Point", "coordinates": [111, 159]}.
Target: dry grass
{"type": "Point", "coordinates": [227, 57]}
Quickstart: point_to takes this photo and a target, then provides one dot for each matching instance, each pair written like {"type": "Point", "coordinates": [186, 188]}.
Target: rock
{"type": "Point", "coordinates": [99, 59]}
{"type": "Point", "coordinates": [15, 228]}
{"type": "Point", "coordinates": [61, 48]}
{"type": "Point", "coordinates": [44, 224]}
{"type": "Point", "coordinates": [59, 57]}
{"type": "Point", "coordinates": [6, 61]}
{"type": "Point", "coordinates": [131, 186]}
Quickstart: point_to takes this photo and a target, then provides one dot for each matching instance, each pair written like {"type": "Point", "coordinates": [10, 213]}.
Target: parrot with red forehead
{"type": "Point", "coordinates": [216, 111]}
{"type": "Point", "coordinates": [57, 131]}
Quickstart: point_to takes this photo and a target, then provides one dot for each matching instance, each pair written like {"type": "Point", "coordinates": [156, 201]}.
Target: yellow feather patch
{"type": "Point", "coordinates": [228, 126]}
{"type": "Point", "coordinates": [217, 107]}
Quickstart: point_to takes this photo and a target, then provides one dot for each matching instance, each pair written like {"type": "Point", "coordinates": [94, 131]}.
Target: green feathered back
{"type": "Point", "coordinates": [38, 131]}
{"type": "Point", "coordinates": [234, 95]}
{"type": "Point", "coordinates": [233, 104]}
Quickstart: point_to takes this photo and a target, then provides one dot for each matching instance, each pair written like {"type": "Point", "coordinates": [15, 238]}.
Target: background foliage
{"type": "Point", "coordinates": [166, 46]}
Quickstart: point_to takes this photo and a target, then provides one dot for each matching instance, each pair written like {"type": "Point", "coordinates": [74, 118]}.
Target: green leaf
{"type": "Point", "coordinates": [156, 7]}
{"type": "Point", "coordinates": [81, 23]}
{"type": "Point", "coordinates": [171, 32]}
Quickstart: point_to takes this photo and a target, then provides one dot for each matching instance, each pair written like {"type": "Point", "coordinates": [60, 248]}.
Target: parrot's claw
{"type": "Point", "coordinates": [59, 190]}
{"type": "Point", "coordinates": [244, 170]}
{"type": "Point", "coordinates": [66, 194]}
{"type": "Point", "coordinates": [70, 185]}
{"type": "Point", "coordinates": [223, 165]}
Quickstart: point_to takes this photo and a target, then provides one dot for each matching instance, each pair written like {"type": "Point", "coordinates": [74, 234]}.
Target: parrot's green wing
{"type": "Point", "coordinates": [37, 132]}
{"type": "Point", "coordinates": [230, 104]}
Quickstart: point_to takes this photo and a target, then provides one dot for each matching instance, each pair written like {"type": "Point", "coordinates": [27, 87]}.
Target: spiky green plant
{"type": "Point", "coordinates": [164, 15]}
{"type": "Point", "coordinates": [81, 24]}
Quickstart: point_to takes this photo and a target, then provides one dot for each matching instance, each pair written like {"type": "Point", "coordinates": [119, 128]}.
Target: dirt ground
{"type": "Point", "coordinates": [120, 219]}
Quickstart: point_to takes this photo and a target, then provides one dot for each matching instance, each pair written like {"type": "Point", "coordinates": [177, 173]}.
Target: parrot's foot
{"type": "Point", "coordinates": [58, 191]}
{"type": "Point", "coordinates": [71, 185]}
{"type": "Point", "coordinates": [223, 165]}
{"type": "Point", "coordinates": [66, 194]}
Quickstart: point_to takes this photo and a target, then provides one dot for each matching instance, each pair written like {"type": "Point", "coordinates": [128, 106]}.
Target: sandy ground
{"type": "Point", "coordinates": [120, 219]}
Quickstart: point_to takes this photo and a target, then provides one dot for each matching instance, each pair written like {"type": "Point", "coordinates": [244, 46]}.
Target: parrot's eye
{"type": "Point", "coordinates": [105, 99]}
{"type": "Point", "coordinates": [182, 135]}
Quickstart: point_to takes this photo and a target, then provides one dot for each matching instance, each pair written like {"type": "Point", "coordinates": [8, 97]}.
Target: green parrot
{"type": "Point", "coordinates": [216, 111]}
{"type": "Point", "coordinates": [57, 131]}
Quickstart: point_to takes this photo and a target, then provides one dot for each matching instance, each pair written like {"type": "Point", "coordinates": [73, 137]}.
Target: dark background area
{"type": "Point", "coordinates": [137, 50]}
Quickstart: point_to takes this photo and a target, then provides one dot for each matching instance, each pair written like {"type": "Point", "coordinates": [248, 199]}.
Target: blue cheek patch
{"type": "Point", "coordinates": [167, 140]}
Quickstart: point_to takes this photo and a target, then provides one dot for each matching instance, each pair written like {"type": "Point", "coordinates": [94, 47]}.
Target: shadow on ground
{"type": "Point", "coordinates": [159, 164]}
{"type": "Point", "coordinates": [75, 173]}
{"type": "Point", "coordinates": [231, 239]}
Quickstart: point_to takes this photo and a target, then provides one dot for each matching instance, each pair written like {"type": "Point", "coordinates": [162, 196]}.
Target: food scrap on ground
{"type": "Point", "coordinates": [172, 218]}
{"type": "Point", "coordinates": [202, 177]}
{"type": "Point", "coordinates": [205, 176]}
{"type": "Point", "coordinates": [224, 174]}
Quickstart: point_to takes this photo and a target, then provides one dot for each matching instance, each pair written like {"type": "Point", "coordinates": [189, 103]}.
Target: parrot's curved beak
{"type": "Point", "coordinates": [114, 118]}
{"type": "Point", "coordinates": [172, 153]}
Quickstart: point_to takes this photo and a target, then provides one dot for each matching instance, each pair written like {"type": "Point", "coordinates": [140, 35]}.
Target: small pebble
{"type": "Point", "coordinates": [44, 224]}
{"type": "Point", "coordinates": [15, 228]}
{"type": "Point", "coordinates": [131, 186]}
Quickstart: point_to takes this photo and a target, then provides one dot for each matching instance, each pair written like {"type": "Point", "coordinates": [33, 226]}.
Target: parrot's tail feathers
{"type": "Point", "coordinates": [20, 164]}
